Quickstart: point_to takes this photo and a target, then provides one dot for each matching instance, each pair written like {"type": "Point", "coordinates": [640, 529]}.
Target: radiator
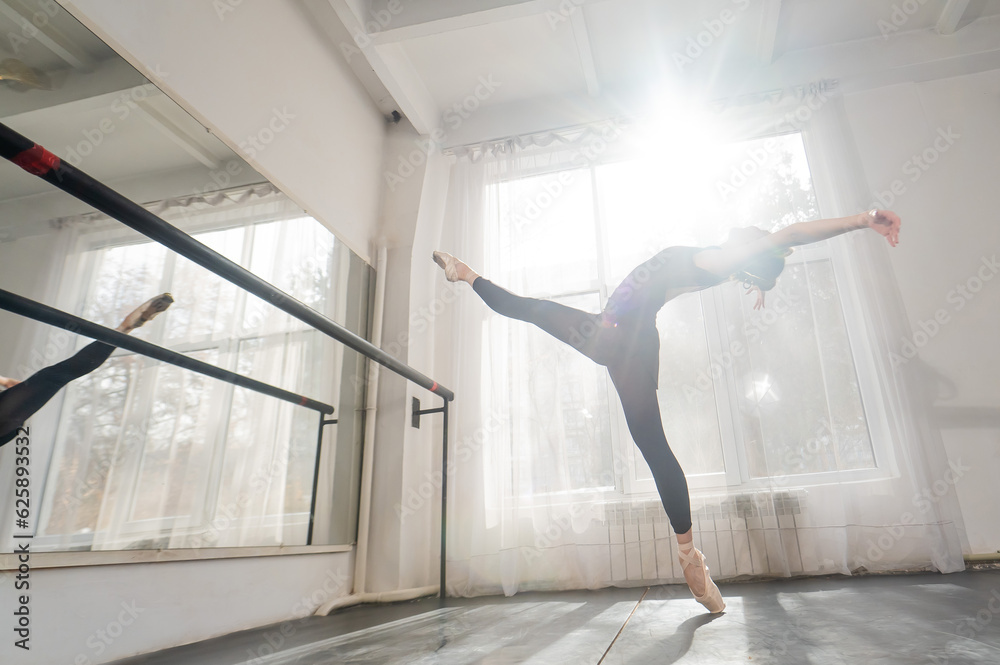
{"type": "Point", "coordinates": [742, 535]}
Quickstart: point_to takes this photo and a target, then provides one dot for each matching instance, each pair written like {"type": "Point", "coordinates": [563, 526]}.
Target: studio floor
{"type": "Point", "coordinates": [874, 620]}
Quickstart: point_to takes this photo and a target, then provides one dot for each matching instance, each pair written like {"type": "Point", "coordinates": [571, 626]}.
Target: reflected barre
{"type": "Point", "coordinates": [54, 317]}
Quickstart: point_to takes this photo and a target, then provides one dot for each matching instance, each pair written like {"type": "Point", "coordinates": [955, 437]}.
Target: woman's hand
{"type": "Point", "coordinates": [760, 296]}
{"type": "Point", "coordinates": [886, 223]}
{"type": "Point", "coordinates": [8, 383]}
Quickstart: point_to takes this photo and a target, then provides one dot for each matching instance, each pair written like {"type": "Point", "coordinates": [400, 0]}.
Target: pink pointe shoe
{"type": "Point", "coordinates": [712, 598]}
{"type": "Point", "coordinates": [145, 312]}
{"type": "Point", "coordinates": [449, 263]}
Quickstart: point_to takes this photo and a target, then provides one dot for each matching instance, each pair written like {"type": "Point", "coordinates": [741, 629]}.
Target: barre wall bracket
{"type": "Point", "coordinates": [415, 418]}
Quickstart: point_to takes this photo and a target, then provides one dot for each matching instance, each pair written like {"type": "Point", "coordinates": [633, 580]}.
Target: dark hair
{"type": "Point", "coordinates": [763, 271]}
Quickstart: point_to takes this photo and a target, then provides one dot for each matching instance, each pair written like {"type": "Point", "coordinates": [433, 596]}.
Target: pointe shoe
{"type": "Point", "coordinates": [146, 311]}
{"type": "Point", "coordinates": [712, 598]}
{"type": "Point", "coordinates": [449, 263]}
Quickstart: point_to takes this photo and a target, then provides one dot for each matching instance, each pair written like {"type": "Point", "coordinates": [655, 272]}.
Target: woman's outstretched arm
{"type": "Point", "coordinates": [731, 259]}
{"type": "Point", "coordinates": [803, 233]}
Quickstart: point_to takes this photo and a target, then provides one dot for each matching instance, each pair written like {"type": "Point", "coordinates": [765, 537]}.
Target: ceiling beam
{"type": "Point", "coordinates": [188, 142]}
{"type": "Point", "coordinates": [394, 70]}
{"type": "Point", "coordinates": [559, 10]}
{"type": "Point", "coordinates": [951, 15]}
{"type": "Point", "coordinates": [406, 86]}
{"type": "Point", "coordinates": [910, 57]}
{"type": "Point", "coordinates": [579, 23]}
{"type": "Point", "coordinates": [767, 38]}
{"type": "Point", "coordinates": [47, 35]}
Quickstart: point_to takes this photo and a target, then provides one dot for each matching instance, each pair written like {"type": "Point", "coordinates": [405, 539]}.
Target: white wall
{"type": "Point", "coordinates": [246, 68]}
{"type": "Point", "coordinates": [949, 229]}
{"type": "Point", "coordinates": [396, 231]}
{"type": "Point", "coordinates": [421, 529]}
{"type": "Point", "coordinates": [81, 616]}
{"type": "Point", "coordinates": [406, 501]}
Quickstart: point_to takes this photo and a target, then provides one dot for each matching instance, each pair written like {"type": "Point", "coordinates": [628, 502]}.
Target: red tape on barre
{"type": "Point", "coordinates": [434, 387]}
{"type": "Point", "coordinates": [37, 160]}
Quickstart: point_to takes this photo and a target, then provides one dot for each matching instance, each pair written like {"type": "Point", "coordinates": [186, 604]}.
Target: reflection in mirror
{"type": "Point", "coordinates": [141, 454]}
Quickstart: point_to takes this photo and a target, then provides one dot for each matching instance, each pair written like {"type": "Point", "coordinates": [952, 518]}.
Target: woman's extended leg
{"type": "Point", "coordinates": [569, 325]}
{"type": "Point", "coordinates": [19, 402]}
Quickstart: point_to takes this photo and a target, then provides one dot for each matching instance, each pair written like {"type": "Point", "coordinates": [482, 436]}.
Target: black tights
{"type": "Point", "coordinates": [17, 404]}
{"type": "Point", "coordinates": [628, 350]}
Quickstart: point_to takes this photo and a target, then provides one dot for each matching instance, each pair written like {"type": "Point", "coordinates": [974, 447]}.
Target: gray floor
{"type": "Point", "coordinates": [932, 619]}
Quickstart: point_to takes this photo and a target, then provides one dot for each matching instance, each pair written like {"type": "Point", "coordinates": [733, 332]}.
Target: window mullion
{"type": "Point", "coordinates": [600, 232]}
{"type": "Point", "coordinates": [137, 412]}
{"type": "Point", "coordinates": [727, 400]}
{"type": "Point", "coordinates": [822, 367]}
{"type": "Point", "coordinates": [229, 350]}
{"type": "Point", "coordinates": [622, 448]}
{"type": "Point", "coordinates": [166, 286]}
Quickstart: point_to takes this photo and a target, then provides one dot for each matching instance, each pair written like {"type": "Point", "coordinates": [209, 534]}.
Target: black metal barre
{"type": "Point", "coordinates": [40, 162]}
{"type": "Point", "coordinates": [39, 312]}
{"type": "Point", "coordinates": [416, 414]}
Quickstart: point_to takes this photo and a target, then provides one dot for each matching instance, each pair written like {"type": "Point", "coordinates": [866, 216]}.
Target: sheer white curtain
{"type": "Point", "coordinates": [920, 521]}
{"type": "Point", "coordinates": [803, 449]}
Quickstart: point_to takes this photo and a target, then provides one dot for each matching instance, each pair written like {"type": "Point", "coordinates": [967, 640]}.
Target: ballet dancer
{"type": "Point", "coordinates": [23, 398]}
{"type": "Point", "coordinates": [623, 338]}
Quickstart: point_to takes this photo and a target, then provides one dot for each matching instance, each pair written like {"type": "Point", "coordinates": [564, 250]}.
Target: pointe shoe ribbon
{"type": "Point", "coordinates": [448, 262]}
{"type": "Point", "coordinates": [712, 598]}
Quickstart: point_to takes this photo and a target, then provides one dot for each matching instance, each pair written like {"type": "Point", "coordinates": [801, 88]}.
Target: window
{"type": "Point", "coordinates": [150, 456]}
{"type": "Point", "coordinates": [747, 398]}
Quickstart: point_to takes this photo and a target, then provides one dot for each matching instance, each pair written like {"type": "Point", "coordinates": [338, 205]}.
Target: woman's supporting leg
{"type": "Point", "coordinates": [642, 414]}
{"type": "Point", "coordinates": [17, 404]}
{"type": "Point", "coordinates": [569, 325]}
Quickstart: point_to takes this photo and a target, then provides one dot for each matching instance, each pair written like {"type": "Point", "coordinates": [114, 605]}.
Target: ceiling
{"type": "Point", "coordinates": [96, 111]}
{"type": "Point", "coordinates": [430, 55]}
{"type": "Point", "coordinates": [519, 65]}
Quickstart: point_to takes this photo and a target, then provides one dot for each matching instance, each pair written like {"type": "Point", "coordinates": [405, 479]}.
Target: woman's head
{"type": "Point", "coordinates": [763, 271]}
